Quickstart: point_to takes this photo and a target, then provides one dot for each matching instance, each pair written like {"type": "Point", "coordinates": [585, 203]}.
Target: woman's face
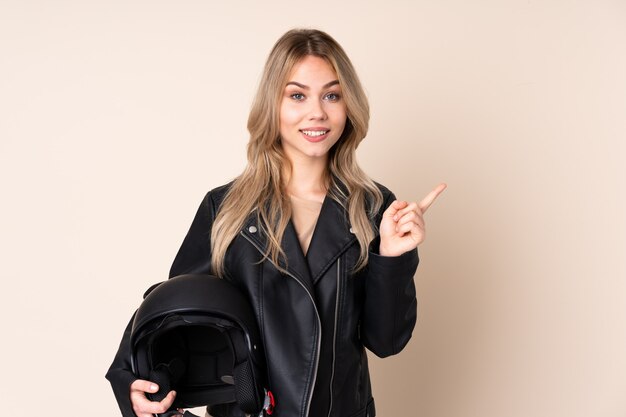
{"type": "Point", "coordinates": [312, 110]}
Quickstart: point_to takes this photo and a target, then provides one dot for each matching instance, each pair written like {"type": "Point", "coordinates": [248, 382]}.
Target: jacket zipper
{"type": "Point", "coordinates": [319, 325]}
{"type": "Point", "coordinates": [332, 374]}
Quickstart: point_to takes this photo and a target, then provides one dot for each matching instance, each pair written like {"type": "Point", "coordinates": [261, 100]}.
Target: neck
{"type": "Point", "coordinates": [307, 179]}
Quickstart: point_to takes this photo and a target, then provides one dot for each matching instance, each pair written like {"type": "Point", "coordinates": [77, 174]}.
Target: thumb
{"type": "Point", "coordinates": [394, 207]}
{"type": "Point", "coordinates": [145, 386]}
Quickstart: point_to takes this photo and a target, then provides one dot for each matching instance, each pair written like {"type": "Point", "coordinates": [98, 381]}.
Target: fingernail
{"type": "Point", "coordinates": [153, 387]}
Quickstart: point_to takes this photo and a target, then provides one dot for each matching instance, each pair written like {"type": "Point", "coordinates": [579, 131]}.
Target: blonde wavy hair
{"type": "Point", "coordinates": [261, 186]}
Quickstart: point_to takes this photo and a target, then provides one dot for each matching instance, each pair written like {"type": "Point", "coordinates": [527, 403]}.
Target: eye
{"type": "Point", "coordinates": [297, 96]}
{"type": "Point", "coordinates": [332, 97]}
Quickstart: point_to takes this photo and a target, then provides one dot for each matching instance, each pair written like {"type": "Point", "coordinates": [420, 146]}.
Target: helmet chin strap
{"type": "Point", "coordinates": [268, 408]}
{"type": "Point", "coordinates": [173, 413]}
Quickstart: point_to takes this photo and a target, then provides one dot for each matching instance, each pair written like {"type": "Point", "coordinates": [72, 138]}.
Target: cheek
{"type": "Point", "coordinates": [289, 115]}
{"type": "Point", "coordinates": [340, 118]}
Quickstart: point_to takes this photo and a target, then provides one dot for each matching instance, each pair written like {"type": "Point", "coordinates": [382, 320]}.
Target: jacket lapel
{"type": "Point", "coordinates": [296, 263]}
{"type": "Point", "coordinates": [331, 237]}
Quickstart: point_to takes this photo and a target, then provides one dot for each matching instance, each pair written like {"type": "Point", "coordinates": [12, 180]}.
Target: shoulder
{"type": "Point", "coordinates": [386, 192]}
{"type": "Point", "coordinates": [387, 196]}
{"type": "Point", "coordinates": [213, 198]}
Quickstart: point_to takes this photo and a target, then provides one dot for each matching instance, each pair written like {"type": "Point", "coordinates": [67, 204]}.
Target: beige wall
{"type": "Point", "coordinates": [116, 117]}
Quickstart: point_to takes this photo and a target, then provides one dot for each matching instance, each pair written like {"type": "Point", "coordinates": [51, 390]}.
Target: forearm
{"type": "Point", "coordinates": [390, 308]}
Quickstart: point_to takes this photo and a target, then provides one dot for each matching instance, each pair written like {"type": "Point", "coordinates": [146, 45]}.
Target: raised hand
{"type": "Point", "coordinates": [402, 226]}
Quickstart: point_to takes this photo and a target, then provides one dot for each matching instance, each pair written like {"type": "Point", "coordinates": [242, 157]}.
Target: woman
{"type": "Point", "coordinates": [325, 255]}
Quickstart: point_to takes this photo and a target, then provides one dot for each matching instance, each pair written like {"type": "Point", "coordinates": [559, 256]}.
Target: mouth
{"type": "Point", "coordinates": [314, 133]}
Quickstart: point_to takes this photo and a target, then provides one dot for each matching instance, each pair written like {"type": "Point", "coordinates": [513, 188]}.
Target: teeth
{"type": "Point", "coordinates": [315, 133]}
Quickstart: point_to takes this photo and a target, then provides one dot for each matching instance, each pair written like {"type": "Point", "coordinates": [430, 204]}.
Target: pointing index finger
{"type": "Point", "coordinates": [430, 198]}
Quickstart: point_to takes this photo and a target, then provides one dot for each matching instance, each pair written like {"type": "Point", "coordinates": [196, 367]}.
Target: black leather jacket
{"type": "Point", "coordinates": [316, 320]}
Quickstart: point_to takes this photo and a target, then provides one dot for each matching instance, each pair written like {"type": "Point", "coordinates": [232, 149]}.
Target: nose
{"type": "Point", "coordinates": [317, 111]}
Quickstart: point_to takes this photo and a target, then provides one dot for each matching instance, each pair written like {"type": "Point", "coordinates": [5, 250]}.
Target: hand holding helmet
{"type": "Point", "coordinates": [142, 406]}
{"type": "Point", "coordinates": [195, 342]}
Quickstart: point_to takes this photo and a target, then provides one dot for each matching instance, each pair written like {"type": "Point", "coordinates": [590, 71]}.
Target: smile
{"type": "Point", "coordinates": [314, 133]}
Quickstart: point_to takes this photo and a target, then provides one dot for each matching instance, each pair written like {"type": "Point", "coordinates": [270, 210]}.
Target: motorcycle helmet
{"type": "Point", "coordinates": [197, 334]}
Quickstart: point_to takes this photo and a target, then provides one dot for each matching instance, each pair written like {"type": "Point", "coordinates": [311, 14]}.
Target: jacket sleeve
{"type": "Point", "coordinates": [194, 256]}
{"type": "Point", "coordinates": [390, 307]}
{"type": "Point", "coordinates": [120, 374]}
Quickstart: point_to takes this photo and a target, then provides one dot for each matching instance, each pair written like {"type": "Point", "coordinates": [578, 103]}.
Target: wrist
{"type": "Point", "coordinates": [385, 251]}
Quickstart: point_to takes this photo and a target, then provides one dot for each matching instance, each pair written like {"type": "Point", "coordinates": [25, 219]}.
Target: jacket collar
{"type": "Point", "coordinates": [331, 237]}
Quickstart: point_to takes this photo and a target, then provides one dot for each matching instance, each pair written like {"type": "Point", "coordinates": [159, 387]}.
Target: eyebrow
{"type": "Point", "coordinates": [306, 87]}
